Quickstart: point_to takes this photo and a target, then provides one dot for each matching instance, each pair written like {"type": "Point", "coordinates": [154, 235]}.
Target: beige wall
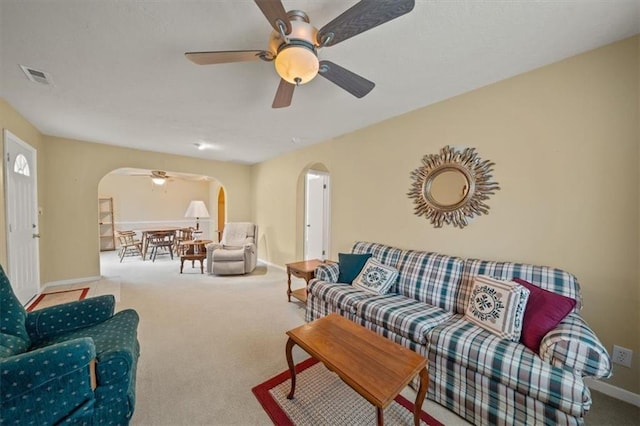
{"type": "Point", "coordinates": [565, 142]}
{"type": "Point", "coordinates": [137, 199]}
{"type": "Point", "coordinates": [73, 171]}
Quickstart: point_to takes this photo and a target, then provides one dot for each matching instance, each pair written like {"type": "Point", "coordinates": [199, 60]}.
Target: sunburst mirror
{"type": "Point", "coordinates": [452, 186]}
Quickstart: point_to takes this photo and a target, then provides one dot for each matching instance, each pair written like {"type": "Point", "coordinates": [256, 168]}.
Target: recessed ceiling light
{"type": "Point", "coordinates": [206, 145]}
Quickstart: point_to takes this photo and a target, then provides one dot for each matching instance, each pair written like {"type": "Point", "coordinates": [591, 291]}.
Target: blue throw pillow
{"type": "Point", "coordinates": [350, 266]}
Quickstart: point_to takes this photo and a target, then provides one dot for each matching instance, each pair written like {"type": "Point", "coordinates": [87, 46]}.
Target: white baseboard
{"type": "Point", "coordinates": [282, 268]}
{"type": "Point", "coordinates": [613, 391]}
{"type": "Point", "coordinates": [72, 281]}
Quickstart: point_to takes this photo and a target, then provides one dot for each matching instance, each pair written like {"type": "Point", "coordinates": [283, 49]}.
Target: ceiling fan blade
{"type": "Point", "coordinates": [363, 16]}
{"type": "Point", "coordinates": [224, 56]}
{"type": "Point", "coordinates": [283, 94]}
{"type": "Point", "coordinates": [349, 81]}
{"type": "Point", "coordinates": [274, 11]}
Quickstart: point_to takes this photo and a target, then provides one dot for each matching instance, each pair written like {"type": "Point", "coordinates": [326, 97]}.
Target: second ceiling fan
{"type": "Point", "coordinates": [294, 43]}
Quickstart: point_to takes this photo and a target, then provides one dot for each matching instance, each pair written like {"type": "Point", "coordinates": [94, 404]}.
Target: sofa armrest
{"type": "Point", "coordinates": [67, 317]}
{"type": "Point", "coordinates": [572, 344]}
{"type": "Point", "coordinates": [213, 246]}
{"type": "Point", "coordinates": [47, 385]}
{"type": "Point", "coordinates": [328, 272]}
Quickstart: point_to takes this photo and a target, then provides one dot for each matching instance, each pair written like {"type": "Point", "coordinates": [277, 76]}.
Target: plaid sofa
{"type": "Point", "coordinates": [474, 373]}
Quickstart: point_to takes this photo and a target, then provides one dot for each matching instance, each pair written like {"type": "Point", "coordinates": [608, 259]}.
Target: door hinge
{"type": "Point", "coordinates": [8, 157]}
{"type": "Point", "coordinates": [323, 252]}
{"type": "Point", "coordinates": [324, 186]}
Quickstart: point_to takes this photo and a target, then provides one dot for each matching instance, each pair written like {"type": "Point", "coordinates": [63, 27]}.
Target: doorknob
{"type": "Point", "coordinates": [36, 235]}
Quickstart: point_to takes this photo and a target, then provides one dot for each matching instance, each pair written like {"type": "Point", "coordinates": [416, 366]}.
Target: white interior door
{"type": "Point", "coordinates": [21, 192]}
{"type": "Point", "coordinates": [316, 235]}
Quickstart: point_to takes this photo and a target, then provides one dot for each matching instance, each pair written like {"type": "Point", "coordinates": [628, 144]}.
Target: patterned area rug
{"type": "Point", "coordinates": [57, 297]}
{"type": "Point", "coordinates": [322, 398]}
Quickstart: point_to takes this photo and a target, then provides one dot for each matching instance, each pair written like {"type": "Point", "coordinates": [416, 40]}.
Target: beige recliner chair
{"type": "Point", "coordinates": [236, 253]}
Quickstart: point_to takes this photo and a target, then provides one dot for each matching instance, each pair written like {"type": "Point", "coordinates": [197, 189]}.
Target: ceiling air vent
{"type": "Point", "coordinates": [37, 76]}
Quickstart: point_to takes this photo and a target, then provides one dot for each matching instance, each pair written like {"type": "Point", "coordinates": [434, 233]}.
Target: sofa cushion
{"type": "Point", "coordinates": [544, 312]}
{"type": "Point", "coordinates": [350, 266]}
{"type": "Point", "coordinates": [376, 277]}
{"type": "Point", "coordinates": [402, 315]}
{"type": "Point", "coordinates": [342, 296]}
{"type": "Point", "coordinates": [552, 279]}
{"type": "Point", "coordinates": [385, 254]}
{"type": "Point", "coordinates": [430, 278]}
{"type": "Point", "coordinates": [510, 363]}
{"type": "Point", "coordinates": [497, 306]}
{"type": "Point", "coordinates": [14, 338]}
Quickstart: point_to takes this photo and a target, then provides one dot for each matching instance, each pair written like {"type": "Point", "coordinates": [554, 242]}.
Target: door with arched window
{"type": "Point", "coordinates": [23, 264]}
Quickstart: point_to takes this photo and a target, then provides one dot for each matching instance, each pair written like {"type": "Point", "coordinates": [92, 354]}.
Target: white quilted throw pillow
{"type": "Point", "coordinates": [375, 277]}
{"type": "Point", "coordinates": [497, 306]}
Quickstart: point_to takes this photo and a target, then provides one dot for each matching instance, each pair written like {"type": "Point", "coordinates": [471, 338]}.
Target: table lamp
{"type": "Point", "coordinates": [197, 209]}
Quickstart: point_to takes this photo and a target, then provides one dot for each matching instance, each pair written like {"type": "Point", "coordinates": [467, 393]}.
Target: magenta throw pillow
{"type": "Point", "coordinates": [545, 309]}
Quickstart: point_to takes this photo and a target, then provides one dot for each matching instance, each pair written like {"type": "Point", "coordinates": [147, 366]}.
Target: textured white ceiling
{"type": "Point", "coordinates": [120, 76]}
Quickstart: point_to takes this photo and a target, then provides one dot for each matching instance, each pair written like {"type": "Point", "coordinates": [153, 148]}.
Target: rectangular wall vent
{"type": "Point", "coordinates": [37, 76]}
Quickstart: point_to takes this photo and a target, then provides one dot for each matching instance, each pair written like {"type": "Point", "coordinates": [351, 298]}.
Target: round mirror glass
{"type": "Point", "coordinates": [449, 187]}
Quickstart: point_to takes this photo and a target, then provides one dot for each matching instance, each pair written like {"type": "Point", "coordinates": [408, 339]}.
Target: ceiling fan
{"type": "Point", "coordinates": [294, 43]}
{"type": "Point", "coordinates": [159, 177]}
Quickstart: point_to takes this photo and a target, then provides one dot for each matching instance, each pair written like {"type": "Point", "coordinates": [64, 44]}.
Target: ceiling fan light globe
{"type": "Point", "coordinates": [297, 64]}
{"type": "Point", "coordinates": [158, 180]}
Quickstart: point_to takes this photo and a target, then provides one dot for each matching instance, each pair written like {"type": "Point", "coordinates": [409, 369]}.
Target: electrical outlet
{"type": "Point", "coordinates": [622, 355]}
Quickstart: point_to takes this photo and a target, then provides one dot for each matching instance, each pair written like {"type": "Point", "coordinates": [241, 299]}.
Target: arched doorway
{"type": "Point", "coordinates": [140, 203]}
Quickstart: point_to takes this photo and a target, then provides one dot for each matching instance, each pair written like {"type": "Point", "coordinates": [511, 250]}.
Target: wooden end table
{"type": "Point", "coordinates": [305, 270]}
{"type": "Point", "coordinates": [193, 250]}
{"type": "Point", "coordinates": [372, 365]}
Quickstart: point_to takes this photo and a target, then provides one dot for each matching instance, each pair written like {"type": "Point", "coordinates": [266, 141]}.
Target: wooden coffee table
{"type": "Point", "coordinates": [372, 365]}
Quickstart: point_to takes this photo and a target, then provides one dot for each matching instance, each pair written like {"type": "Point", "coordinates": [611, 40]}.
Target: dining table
{"type": "Point", "coordinates": [145, 234]}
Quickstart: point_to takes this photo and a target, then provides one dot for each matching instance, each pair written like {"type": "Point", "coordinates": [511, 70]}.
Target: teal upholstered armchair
{"type": "Point", "coordinates": [73, 363]}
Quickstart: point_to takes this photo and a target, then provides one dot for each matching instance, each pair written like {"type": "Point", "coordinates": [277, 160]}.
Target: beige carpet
{"type": "Point", "coordinates": [207, 340]}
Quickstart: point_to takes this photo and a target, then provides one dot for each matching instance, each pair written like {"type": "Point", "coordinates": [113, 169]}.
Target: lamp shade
{"type": "Point", "coordinates": [197, 208]}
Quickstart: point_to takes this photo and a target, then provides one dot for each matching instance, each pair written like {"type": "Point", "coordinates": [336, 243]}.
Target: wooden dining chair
{"type": "Point", "coordinates": [184, 234]}
{"type": "Point", "coordinates": [129, 246]}
{"type": "Point", "coordinates": [163, 240]}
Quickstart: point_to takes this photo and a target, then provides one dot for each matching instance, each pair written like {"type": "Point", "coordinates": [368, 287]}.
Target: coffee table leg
{"type": "Point", "coordinates": [292, 368]}
{"type": "Point", "coordinates": [422, 392]}
{"type": "Point", "coordinates": [380, 416]}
